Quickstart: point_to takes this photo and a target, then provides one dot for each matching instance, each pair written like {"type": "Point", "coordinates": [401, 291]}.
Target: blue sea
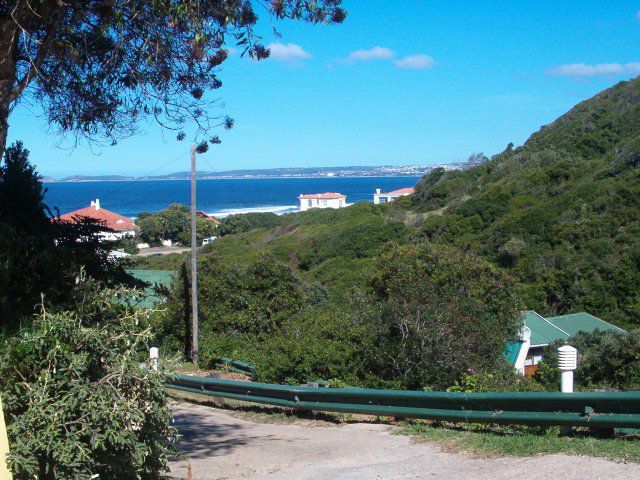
{"type": "Point", "coordinates": [219, 197]}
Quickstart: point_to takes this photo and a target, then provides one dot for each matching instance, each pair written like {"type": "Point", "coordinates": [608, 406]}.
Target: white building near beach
{"type": "Point", "coordinates": [386, 197]}
{"type": "Point", "coordinates": [322, 200]}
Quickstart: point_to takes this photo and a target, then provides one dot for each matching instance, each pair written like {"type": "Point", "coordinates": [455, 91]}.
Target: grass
{"type": "Point", "coordinates": [521, 442]}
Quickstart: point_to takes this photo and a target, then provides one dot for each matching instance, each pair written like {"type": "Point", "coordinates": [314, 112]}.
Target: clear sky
{"type": "Point", "coordinates": [398, 83]}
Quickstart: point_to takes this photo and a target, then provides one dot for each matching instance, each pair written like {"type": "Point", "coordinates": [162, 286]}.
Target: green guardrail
{"type": "Point", "coordinates": [595, 409]}
{"type": "Point", "coordinates": [239, 366]}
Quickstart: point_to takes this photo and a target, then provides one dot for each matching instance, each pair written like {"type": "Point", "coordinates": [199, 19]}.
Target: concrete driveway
{"type": "Point", "coordinates": [220, 446]}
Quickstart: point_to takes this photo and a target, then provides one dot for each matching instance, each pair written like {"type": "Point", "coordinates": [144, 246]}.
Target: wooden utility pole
{"type": "Point", "coordinates": [194, 262]}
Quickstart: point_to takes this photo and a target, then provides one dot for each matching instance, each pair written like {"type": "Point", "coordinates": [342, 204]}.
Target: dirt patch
{"type": "Point", "coordinates": [218, 445]}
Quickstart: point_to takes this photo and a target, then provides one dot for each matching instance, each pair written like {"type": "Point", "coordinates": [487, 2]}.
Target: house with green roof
{"type": "Point", "coordinates": [539, 331]}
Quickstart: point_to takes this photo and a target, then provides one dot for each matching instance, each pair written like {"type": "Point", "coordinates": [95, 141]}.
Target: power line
{"type": "Point", "coordinates": [122, 187]}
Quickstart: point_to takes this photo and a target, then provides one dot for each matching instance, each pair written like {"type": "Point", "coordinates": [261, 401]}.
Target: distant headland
{"type": "Point", "coordinates": [305, 172]}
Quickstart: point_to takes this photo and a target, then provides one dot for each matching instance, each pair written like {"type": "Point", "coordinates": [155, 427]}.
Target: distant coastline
{"type": "Point", "coordinates": [301, 173]}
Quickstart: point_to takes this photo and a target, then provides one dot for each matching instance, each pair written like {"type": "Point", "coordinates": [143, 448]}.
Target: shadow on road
{"type": "Point", "coordinates": [204, 439]}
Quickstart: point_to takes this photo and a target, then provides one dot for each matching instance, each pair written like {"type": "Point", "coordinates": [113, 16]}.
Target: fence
{"type": "Point", "coordinates": [594, 409]}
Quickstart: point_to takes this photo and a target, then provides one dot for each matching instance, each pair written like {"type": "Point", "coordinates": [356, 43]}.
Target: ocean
{"type": "Point", "coordinates": [219, 197]}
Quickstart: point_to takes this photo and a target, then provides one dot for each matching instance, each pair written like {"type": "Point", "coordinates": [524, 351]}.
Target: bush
{"type": "Point", "coordinates": [244, 222]}
{"type": "Point", "coordinates": [325, 341]}
{"type": "Point", "coordinates": [503, 378]}
{"type": "Point", "coordinates": [237, 303]}
{"type": "Point", "coordinates": [77, 402]}
{"type": "Point", "coordinates": [446, 312]}
{"type": "Point", "coordinates": [606, 359]}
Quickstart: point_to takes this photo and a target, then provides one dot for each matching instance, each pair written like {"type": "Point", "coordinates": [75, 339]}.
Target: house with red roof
{"type": "Point", "coordinates": [121, 226]}
{"type": "Point", "coordinates": [386, 197]}
{"type": "Point", "coordinates": [322, 200]}
{"type": "Point", "coordinates": [206, 216]}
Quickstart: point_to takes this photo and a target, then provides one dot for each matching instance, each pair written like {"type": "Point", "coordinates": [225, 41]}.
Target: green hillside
{"type": "Point", "coordinates": [561, 213]}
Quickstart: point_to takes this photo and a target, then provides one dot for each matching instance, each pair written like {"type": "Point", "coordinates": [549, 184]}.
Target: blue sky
{"type": "Point", "coordinates": [398, 83]}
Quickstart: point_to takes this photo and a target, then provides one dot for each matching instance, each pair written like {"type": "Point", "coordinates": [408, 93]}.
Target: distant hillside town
{"type": "Point", "coordinates": [306, 172]}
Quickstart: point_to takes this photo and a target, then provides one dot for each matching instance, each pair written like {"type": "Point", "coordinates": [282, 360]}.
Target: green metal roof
{"type": "Point", "coordinates": [546, 330]}
{"type": "Point", "coordinates": [582, 322]}
{"type": "Point", "coordinates": [155, 278]}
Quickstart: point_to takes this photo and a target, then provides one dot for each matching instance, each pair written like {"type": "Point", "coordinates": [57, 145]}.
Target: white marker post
{"type": "Point", "coordinates": [154, 356]}
{"type": "Point", "coordinates": [567, 363]}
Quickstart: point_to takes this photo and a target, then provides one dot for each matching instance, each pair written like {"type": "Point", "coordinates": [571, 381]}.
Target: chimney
{"type": "Point", "coordinates": [377, 191]}
{"type": "Point", "coordinates": [96, 204]}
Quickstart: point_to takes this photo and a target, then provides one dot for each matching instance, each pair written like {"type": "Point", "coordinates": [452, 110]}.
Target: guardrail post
{"type": "Point", "coordinates": [153, 356]}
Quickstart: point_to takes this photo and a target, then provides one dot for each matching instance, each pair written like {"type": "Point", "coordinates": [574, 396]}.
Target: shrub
{"type": "Point", "coordinates": [606, 359]}
{"type": "Point", "coordinates": [446, 312]}
{"type": "Point", "coordinates": [503, 378]}
{"type": "Point", "coordinates": [325, 341]}
{"type": "Point", "coordinates": [240, 223]}
{"type": "Point", "coordinates": [237, 303]}
{"type": "Point", "coordinates": [77, 402]}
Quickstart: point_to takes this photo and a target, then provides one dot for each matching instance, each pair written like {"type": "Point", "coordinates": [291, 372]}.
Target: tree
{"type": "Point", "coordinates": [98, 67]}
{"type": "Point", "coordinates": [40, 259]}
{"type": "Point", "coordinates": [446, 312]}
{"type": "Point", "coordinates": [172, 223]}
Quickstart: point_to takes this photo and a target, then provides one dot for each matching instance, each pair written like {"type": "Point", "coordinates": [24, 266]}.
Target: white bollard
{"type": "Point", "coordinates": [153, 356]}
{"type": "Point", "coordinates": [567, 363]}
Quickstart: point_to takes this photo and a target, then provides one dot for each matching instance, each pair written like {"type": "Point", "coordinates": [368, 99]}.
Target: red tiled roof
{"type": "Point", "coordinates": [206, 216]}
{"type": "Point", "coordinates": [401, 191]}
{"type": "Point", "coordinates": [326, 195]}
{"type": "Point", "coordinates": [107, 218]}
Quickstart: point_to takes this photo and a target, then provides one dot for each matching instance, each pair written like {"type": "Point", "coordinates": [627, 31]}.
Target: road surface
{"type": "Point", "coordinates": [220, 446]}
{"type": "Point", "coordinates": [147, 252]}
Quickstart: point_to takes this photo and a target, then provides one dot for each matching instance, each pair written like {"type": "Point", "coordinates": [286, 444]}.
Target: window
{"type": "Point", "coordinates": [309, 203]}
{"type": "Point", "coordinates": [323, 202]}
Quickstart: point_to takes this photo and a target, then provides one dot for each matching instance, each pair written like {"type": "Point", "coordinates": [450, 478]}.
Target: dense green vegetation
{"type": "Point", "coordinates": [172, 223]}
{"type": "Point", "coordinates": [561, 213]}
{"type": "Point", "coordinates": [608, 360]}
{"type": "Point", "coordinates": [240, 223]}
{"type": "Point", "coordinates": [75, 399]}
{"type": "Point", "coordinates": [40, 259]}
{"type": "Point", "coordinates": [389, 327]}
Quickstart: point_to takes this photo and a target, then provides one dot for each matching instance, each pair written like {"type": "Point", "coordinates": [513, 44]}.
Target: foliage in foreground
{"type": "Point", "coordinates": [77, 402]}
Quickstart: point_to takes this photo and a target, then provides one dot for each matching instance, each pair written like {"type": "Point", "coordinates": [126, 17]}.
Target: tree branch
{"type": "Point", "coordinates": [42, 54]}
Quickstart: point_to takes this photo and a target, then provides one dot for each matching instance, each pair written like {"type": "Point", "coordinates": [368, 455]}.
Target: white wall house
{"type": "Point", "coordinates": [386, 197]}
{"type": "Point", "coordinates": [322, 200]}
